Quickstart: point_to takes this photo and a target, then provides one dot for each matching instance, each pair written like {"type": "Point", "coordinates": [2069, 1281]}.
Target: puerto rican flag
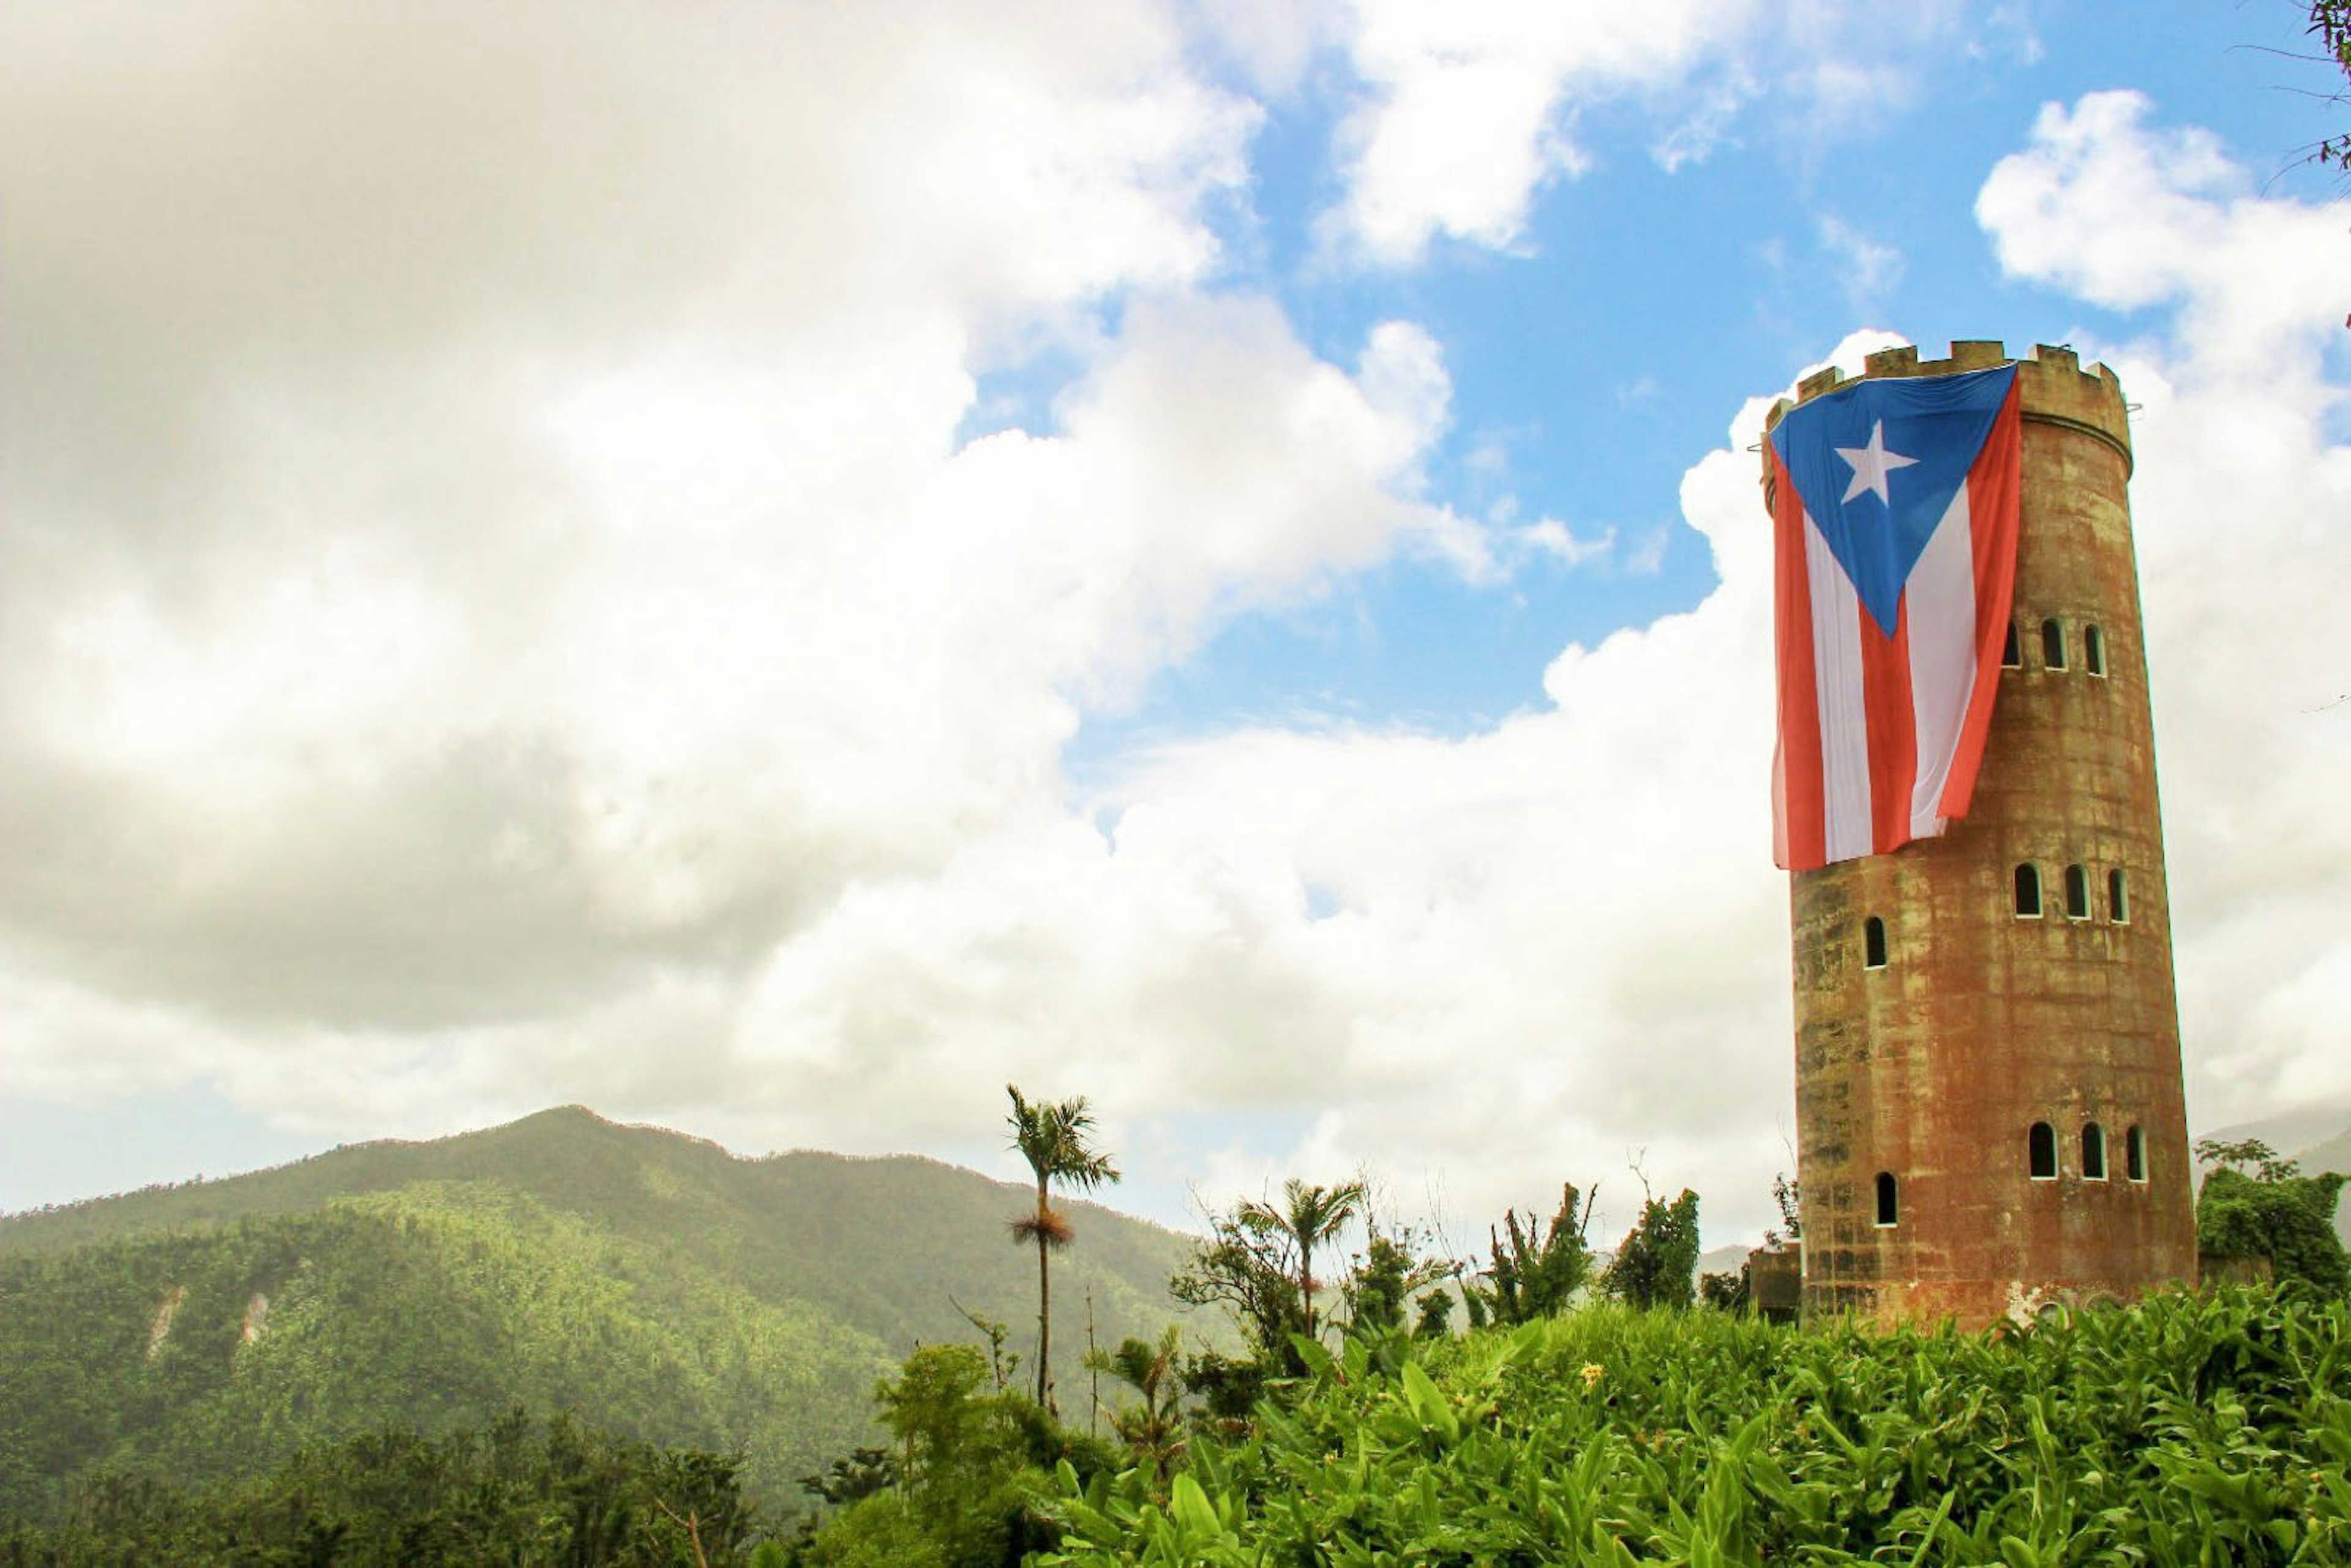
{"type": "Point", "coordinates": [1895, 515]}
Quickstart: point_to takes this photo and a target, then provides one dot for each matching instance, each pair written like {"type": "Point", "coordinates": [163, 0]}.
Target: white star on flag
{"type": "Point", "coordinates": [1872, 464]}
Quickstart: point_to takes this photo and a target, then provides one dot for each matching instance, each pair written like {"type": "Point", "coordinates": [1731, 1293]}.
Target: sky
{"type": "Point", "coordinates": [773, 569]}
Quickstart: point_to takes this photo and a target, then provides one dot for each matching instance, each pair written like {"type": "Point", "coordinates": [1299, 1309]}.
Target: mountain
{"type": "Point", "coordinates": [661, 1286]}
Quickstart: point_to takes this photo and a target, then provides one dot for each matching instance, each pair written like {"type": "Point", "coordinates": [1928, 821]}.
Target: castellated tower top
{"type": "Point", "coordinates": [2057, 390]}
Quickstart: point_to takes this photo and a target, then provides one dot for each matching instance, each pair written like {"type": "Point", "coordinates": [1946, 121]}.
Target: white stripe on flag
{"type": "Point", "coordinates": [1844, 723]}
{"type": "Point", "coordinates": [1941, 595]}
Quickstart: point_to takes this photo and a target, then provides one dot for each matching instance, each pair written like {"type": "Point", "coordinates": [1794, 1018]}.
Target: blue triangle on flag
{"type": "Point", "coordinates": [1917, 436]}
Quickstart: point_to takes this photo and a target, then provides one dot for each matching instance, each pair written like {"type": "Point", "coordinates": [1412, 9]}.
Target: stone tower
{"type": "Point", "coordinates": [1989, 1107]}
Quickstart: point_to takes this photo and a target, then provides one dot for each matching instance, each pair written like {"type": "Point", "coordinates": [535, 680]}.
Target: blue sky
{"type": "Point", "coordinates": [774, 572]}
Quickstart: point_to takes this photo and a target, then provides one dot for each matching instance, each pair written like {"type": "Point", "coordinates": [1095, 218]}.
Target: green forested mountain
{"type": "Point", "coordinates": [655, 1283]}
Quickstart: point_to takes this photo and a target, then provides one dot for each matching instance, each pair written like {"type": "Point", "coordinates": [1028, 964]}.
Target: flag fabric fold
{"type": "Point", "coordinates": [1896, 508]}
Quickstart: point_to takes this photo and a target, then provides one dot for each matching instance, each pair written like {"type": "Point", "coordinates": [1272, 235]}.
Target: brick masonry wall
{"type": "Point", "coordinates": [1934, 1067]}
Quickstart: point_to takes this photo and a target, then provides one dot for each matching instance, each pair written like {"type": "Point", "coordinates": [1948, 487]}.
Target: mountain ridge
{"type": "Point", "coordinates": [658, 1283]}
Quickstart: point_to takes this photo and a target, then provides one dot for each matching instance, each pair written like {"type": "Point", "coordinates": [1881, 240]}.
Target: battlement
{"type": "Point", "coordinates": [2056, 388]}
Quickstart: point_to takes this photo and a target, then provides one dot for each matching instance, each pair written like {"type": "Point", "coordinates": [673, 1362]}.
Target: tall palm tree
{"type": "Point", "coordinates": [1309, 1216]}
{"type": "Point", "coordinates": [1052, 1137]}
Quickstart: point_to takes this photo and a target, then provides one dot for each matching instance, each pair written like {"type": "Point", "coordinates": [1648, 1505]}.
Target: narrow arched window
{"type": "Point", "coordinates": [2041, 1144]}
{"type": "Point", "coordinates": [2094, 650]}
{"type": "Point", "coordinates": [2012, 653]}
{"type": "Point", "coordinates": [1873, 943]}
{"type": "Point", "coordinates": [2117, 897]}
{"type": "Point", "coordinates": [2077, 894]}
{"type": "Point", "coordinates": [1889, 1204]}
{"type": "Point", "coordinates": [2093, 1151]}
{"type": "Point", "coordinates": [2028, 892]}
{"type": "Point", "coordinates": [2053, 645]}
{"type": "Point", "coordinates": [2134, 1155]}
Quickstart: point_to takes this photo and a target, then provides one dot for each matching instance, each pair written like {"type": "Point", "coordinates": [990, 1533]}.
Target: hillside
{"type": "Point", "coordinates": [658, 1284]}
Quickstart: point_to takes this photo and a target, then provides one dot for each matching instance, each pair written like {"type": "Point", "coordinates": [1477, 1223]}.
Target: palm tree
{"type": "Point", "coordinates": [1155, 1429]}
{"type": "Point", "coordinates": [1052, 1137]}
{"type": "Point", "coordinates": [1309, 1216]}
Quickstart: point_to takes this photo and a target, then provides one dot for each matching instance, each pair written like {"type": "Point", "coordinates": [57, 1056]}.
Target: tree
{"type": "Point", "coordinates": [1245, 1270]}
{"type": "Point", "coordinates": [1258, 1263]}
{"type": "Point", "coordinates": [2330, 24]}
{"type": "Point", "coordinates": [1656, 1263]}
{"type": "Point", "coordinates": [1539, 1269]}
{"type": "Point", "coordinates": [1152, 1430]}
{"type": "Point", "coordinates": [2272, 1212]}
{"type": "Point", "coordinates": [1309, 1216]}
{"type": "Point", "coordinates": [1390, 1271]}
{"type": "Point", "coordinates": [1052, 1137]}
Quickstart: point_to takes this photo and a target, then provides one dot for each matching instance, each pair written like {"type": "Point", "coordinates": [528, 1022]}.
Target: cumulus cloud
{"type": "Point", "coordinates": [495, 608]}
{"type": "Point", "coordinates": [2242, 484]}
{"type": "Point", "coordinates": [1466, 111]}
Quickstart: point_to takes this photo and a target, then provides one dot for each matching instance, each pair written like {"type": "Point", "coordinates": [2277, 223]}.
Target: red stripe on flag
{"type": "Point", "coordinates": [1892, 729]}
{"type": "Point", "coordinates": [1803, 792]}
{"type": "Point", "coordinates": [1995, 490]}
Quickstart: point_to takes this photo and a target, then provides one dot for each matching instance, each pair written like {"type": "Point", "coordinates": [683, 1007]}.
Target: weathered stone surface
{"type": "Point", "coordinates": [1981, 1023]}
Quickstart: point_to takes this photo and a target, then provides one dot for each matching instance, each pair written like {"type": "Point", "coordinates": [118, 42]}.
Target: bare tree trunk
{"type": "Point", "coordinates": [1044, 1306]}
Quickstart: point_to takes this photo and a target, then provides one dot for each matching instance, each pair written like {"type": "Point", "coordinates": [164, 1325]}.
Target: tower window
{"type": "Point", "coordinates": [2053, 645]}
{"type": "Point", "coordinates": [2117, 897]}
{"type": "Point", "coordinates": [2077, 894]}
{"type": "Point", "coordinates": [2093, 1151]}
{"type": "Point", "coordinates": [2134, 1155]}
{"type": "Point", "coordinates": [2040, 1144]}
{"type": "Point", "coordinates": [2094, 650]}
{"type": "Point", "coordinates": [2011, 655]}
{"type": "Point", "coordinates": [1873, 943]}
{"type": "Point", "coordinates": [1889, 1205]}
{"type": "Point", "coordinates": [2028, 892]}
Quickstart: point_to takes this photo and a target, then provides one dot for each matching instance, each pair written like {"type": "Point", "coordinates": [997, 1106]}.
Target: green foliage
{"type": "Point", "coordinates": [1536, 1272]}
{"type": "Point", "coordinates": [520, 1492]}
{"type": "Point", "coordinates": [1309, 1216]}
{"type": "Point", "coordinates": [970, 1465]}
{"type": "Point", "coordinates": [1656, 1263]}
{"type": "Point", "coordinates": [1393, 1274]}
{"type": "Point", "coordinates": [1258, 1263]}
{"type": "Point", "coordinates": [1245, 1271]}
{"type": "Point", "coordinates": [2247, 1156]}
{"type": "Point", "coordinates": [1725, 1292]}
{"type": "Point", "coordinates": [2286, 1218]}
{"type": "Point", "coordinates": [2330, 24]}
{"type": "Point", "coordinates": [2190, 1431]}
{"type": "Point", "coordinates": [651, 1281]}
{"type": "Point", "coordinates": [1154, 1428]}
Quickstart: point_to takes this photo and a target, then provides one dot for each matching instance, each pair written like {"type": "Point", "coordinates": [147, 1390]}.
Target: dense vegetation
{"type": "Point", "coordinates": [652, 1282]}
{"type": "Point", "coordinates": [520, 1492]}
{"type": "Point", "coordinates": [2190, 1430]}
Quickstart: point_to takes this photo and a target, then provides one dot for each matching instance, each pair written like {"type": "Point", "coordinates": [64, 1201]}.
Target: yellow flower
{"type": "Point", "coordinates": [1593, 1375]}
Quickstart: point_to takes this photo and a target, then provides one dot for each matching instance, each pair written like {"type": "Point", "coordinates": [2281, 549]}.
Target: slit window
{"type": "Point", "coordinates": [1890, 1200]}
{"type": "Point", "coordinates": [2134, 1155]}
{"type": "Point", "coordinates": [2094, 650]}
{"type": "Point", "coordinates": [2053, 645]}
{"type": "Point", "coordinates": [2012, 653]}
{"type": "Point", "coordinates": [2117, 897]}
{"type": "Point", "coordinates": [2093, 1151]}
{"type": "Point", "coordinates": [2040, 1147]}
{"type": "Point", "coordinates": [1873, 943]}
{"type": "Point", "coordinates": [2028, 892]}
{"type": "Point", "coordinates": [2077, 894]}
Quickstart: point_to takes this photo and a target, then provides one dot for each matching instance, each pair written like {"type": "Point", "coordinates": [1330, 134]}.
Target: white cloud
{"type": "Point", "coordinates": [515, 623]}
{"type": "Point", "coordinates": [1869, 269]}
{"type": "Point", "coordinates": [1468, 110]}
{"type": "Point", "coordinates": [2239, 499]}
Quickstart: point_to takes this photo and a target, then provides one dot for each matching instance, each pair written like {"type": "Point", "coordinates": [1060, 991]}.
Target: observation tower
{"type": "Point", "coordinates": [1989, 1106]}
